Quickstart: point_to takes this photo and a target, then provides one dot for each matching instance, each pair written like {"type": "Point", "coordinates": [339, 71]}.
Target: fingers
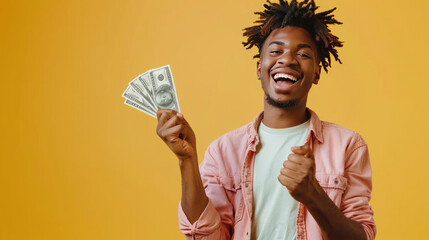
{"type": "Point", "coordinates": [171, 134]}
{"type": "Point", "coordinates": [300, 161]}
{"type": "Point", "coordinates": [297, 166]}
{"type": "Point", "coordinates": [295, 170]}
{"type": "Point", "coordinates": [167, 111]}
{"type": "Point", "coordinates": [293, 165]}
{"type": "Point", "coordinates": [291, 173]}
{"type": "Point", "coordinates": [162, 118]}
{"type": "Point", "coordinates": [286, 181]}
{"type": "Point", "coordinates": [165, 115]}
{"type": "Point", "coordinates": [302, 155]}
{"type": "Point", "coordinates": [304, 150]}
{"type": "Point", "coordinates": [172, 122]}
{"type": "Point", "coordinates": [170, 125]}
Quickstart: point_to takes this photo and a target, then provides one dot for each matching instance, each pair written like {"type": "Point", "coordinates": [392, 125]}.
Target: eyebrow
{"type": "Point", "coordinates": [301, 45]}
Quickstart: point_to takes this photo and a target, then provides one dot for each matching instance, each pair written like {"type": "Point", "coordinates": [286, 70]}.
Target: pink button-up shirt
{"type": "Point", "coordinates": [342, 169]}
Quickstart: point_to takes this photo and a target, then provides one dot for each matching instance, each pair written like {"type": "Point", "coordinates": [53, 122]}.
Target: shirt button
{"type": "Point", "coordinates": [336, 181]}
{"type": "Point", "coordinates": [246, 185]}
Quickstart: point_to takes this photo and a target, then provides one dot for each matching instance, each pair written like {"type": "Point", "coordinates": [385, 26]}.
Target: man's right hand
{"type": "Point", "coordinates": [175, 131]}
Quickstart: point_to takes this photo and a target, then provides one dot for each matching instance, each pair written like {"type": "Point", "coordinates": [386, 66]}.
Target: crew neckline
{"type": "Point", "coordinates": [301, 127]}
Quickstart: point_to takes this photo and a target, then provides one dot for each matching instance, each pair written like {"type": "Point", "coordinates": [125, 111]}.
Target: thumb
{"type": "Point", "coordinates": [304, 150]}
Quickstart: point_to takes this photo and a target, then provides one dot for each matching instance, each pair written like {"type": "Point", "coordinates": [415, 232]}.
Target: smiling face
{"type": "Point", "coordinates": [288, 67]}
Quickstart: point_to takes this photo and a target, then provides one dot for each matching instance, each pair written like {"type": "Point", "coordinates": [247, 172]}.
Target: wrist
{"type": "Point", "coordinates": [314, 195]}
{"type": "Point", "coordinates": [187, 161]}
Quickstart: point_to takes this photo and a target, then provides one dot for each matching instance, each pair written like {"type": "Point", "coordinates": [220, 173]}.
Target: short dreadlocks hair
{"type": "Point", "coordinates": [302, 14]}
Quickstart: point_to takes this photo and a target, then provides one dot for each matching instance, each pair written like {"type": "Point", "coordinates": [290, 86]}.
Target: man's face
{"type": "Point", "coordinates": [288, 66]}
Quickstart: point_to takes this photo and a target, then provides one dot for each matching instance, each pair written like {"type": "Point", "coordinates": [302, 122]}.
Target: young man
{"type": "Point", "coordinates": [286, 175]}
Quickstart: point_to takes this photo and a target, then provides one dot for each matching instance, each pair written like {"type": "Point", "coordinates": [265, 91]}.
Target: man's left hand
{"type": "Point", "coordinates": [298, 174]}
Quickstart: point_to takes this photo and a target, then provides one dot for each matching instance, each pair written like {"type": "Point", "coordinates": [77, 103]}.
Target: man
{"type": "Point", "coordinates": [286, 175]}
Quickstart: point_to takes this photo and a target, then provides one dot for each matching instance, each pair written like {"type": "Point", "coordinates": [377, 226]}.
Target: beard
{"type": "Point", "coordinates": [288, 104]}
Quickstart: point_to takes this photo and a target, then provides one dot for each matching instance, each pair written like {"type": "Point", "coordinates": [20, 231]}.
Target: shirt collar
{"type": "Point", "coordinates": [315, 129]}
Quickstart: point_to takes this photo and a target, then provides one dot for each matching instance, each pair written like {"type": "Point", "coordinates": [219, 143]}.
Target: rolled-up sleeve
{"type": "Point", "coordinates": [206, 227]}
{"type": "Point", "coordinates": [355, 204]}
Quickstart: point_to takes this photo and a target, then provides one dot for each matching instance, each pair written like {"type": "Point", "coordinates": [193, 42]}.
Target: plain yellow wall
{"type": "Point", "coordinates": [76, 163]}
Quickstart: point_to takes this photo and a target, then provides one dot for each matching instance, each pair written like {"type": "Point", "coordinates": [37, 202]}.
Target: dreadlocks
{"type": "Point", "coordinates": [279, 15]}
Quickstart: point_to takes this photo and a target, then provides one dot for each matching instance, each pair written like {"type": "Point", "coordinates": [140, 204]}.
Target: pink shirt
{"type": "Point", "coordinates": [342, 169]}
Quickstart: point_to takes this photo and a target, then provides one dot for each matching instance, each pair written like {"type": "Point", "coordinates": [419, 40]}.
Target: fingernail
{"type": "Point", "coordinates": [179, 114]}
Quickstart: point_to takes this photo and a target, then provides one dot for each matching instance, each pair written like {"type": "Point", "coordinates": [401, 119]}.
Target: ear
{"type": "Point", "coordinates": [258, 69]}
{"type": "Point", "coordinates": [317, 74]}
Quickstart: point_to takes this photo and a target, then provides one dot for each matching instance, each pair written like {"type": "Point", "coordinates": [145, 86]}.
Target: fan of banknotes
{"type": "Point", "coordinates": [151, 91]}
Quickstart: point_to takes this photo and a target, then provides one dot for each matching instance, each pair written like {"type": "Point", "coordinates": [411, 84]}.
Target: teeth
{"type": "Point", "coordinates": [284, 75]}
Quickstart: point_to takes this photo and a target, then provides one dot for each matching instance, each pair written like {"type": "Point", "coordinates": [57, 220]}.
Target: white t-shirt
{"type": "Point", "coordinates": [275, 210]}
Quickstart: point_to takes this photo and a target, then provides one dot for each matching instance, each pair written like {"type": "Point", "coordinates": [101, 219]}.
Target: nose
{"type": "Point", "coordinates": [287, 58]}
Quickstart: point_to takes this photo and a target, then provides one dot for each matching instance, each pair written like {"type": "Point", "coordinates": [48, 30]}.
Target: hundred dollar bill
{"type": "Point", "coordinates": [145, 81]}
{"type": "Point", "coordinates": [133, 95]}
{"type": "Point", "coordinates": [164, 92]}
{"type": "Point", "coordinates": [138, 107]}
{"type": "Point", "coordinates": [140, 84]}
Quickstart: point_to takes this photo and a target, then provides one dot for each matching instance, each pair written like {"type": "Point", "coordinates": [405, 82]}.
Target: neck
{"type": "Point", "coordinates": [284, 118]}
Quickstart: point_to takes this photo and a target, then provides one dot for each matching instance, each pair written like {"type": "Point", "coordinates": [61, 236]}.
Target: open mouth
{"type": "Point", "coordinates": [285, 77]}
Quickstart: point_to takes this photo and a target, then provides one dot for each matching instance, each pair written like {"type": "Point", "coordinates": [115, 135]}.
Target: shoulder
{"type": "Point", "coordinates": [233, 139]}
{"type": "Point", "coordinates": [336, 134]}
{"type": "Point", "coordinates": [227, 153]}
{"type": "Point", "coordinates": [342, 148]}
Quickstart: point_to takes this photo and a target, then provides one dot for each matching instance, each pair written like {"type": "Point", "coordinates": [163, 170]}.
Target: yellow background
{"type": "Point", "coordinates": [76, 163]}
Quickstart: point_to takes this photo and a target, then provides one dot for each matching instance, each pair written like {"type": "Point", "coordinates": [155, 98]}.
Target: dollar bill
{"type": "Point", "coordinates": [152, 90]}
{"type": "Point", "coordinates": [164, 91]}
{"type": "Point", "coordinates": [145, 81]}
{"type": "Point", "coordinates": [138, 107]}
{"type": "Point", "coordinates": [133, 95]}
{"type": "Point", "coordinates": [140, 85]}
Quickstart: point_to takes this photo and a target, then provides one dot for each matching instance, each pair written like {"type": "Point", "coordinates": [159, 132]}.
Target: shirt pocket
{"type": "Point", "coordinates": [334, 185]}
{"type": "Point", "coordinates": [232, 187]}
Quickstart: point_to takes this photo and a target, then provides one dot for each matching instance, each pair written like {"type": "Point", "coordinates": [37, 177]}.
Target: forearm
{"type": "Point", "coordinates": [332, 222]}
{"type": "Point", "coordinates": [194, 198]}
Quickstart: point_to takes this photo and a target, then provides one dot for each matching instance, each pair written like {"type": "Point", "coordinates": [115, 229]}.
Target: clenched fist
{"type": "Point", "coordinates": [175, 131]}
{"type": "Point", "coordinates": [298, 174]}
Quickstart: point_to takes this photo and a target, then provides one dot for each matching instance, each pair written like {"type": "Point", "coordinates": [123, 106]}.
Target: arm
{"type": "Point", "coordinates": [331, 220]}
{"type": "Point", "coordinates": [355, 200]}
{"type": "Point", "coordinates": [175, 131]}
{"type": "Point", "coordinates": [194, 199]}
{"type": "Point", "coordinates": [204, 215]}
{"type": "Point", "coordinates": [298, 175]}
